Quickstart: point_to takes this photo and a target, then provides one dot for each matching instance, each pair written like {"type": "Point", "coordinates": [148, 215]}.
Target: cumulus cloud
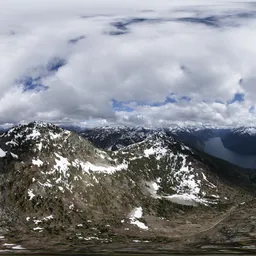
{"type": "Point", "coordinates": [151, 62]}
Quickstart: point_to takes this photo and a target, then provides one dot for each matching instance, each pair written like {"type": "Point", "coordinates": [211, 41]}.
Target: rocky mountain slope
{"type": "Point", "coordinates": [59, 192]}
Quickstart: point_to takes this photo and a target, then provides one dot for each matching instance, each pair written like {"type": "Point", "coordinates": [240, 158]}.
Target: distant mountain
{"type": "Point", "coordinates": [235, 145]}
{"type": "Point", "coordinates": [241, 140]}
{"type": "Point", "coordinates": [114, 138]}
{"type": "Point", "coordinates": [59, 191]}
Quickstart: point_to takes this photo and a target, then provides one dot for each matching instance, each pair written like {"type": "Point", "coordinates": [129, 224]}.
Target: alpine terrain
{"type": "Point", "coordinates": [151, 191]}
{"type": "Point", "coordinates": [235, 145]}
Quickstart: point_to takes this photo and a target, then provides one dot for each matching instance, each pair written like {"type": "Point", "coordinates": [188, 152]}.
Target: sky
{"type": "Point", "coordinates": [110, 62]}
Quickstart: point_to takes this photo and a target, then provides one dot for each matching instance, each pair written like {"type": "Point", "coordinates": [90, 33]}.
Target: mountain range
{"type": "Point", "coordinates": [115, 188]}
{"type": "Point", "coordinates": [235, 145]}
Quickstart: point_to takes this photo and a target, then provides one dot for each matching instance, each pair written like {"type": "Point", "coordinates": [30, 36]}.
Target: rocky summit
{"type": "Point", "coordinates": [59, 192]}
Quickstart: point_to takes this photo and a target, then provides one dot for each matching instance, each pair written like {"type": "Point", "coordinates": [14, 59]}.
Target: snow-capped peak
{"type": "Point", "coordinates": [35, 133]}
{"type": "Point", "coordinates": [245, 131]}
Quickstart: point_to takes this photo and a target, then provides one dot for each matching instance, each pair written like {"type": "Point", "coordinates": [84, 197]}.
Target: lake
{"type": "Point", "coordinates": [215, 147]}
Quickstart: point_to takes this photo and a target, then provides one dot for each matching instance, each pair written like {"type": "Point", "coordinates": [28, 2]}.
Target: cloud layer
{"type": "Point", "coordinates": [148, 62]}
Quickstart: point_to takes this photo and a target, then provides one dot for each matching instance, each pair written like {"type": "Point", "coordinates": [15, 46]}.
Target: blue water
{"type": "Point", "coordinates": [215, 147]}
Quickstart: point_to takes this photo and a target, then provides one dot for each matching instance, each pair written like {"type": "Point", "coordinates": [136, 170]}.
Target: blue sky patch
{"type": "Point", "coordinates": [121, 106]}
{"type": "Point", "coordinates": [32, 84]}
{"type": "Point", "coordinates": [167, 100]}
{"type": "Point", "coordinates": [238, 97]}
{"type": "Point", "coordinates": [55, 64]}
{"type": "Point", "coordinates": [252, 109]}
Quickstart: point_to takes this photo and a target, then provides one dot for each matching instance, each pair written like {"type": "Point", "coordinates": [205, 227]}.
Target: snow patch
{"type": "Point", "coordinates": [61, 189]}
{"type": "Point", "coordinates": [158, 150]}
{"type": "Point", "coordinates": [31, 194]}
{"type": "Point", "coordinates": [50, 217]}
{"type": "Point", "coordinates": [47, 218]}
{"type": "Point", "coordinates": [37, 221]}
{"type": "Point", "coordinates": [153, 187]}
{"type": "Point", "coordinates": [135, 215]}
{"type": "Point", "coordinates": [62, 164]}
{"type": "Point", "coordinates": [37, 162]}
{"type": "Point", "coordinates": [34, 135]}
{"type": "Point", "coordinates": [46, 184]}
{"type": "Point", "coordinates": [11, 142]}
{"type": "Point", "coordinates": [54, 136]}
{"type": "Point", "coordinates": [208, 182]}
{"type": "Point", "coordinates": [186, 199]}
{"type": "Point", "coordinates": [87, 167]}
{"type": "Point", "coordinates": [185, 179]}
{"type": "Point", "coordinates": [91, 238]}
{"type": "Point", "coordinates": [8, 245]}
{"type": "Point", "coordinates": [14, 155]}
{"type": "Point", "coordinates": [2, 153]}
{"type": "Point", "coordinates": [37, 228]}
{"type": "Point", "coordinates": [215, 196]}
{"type": "Point", "coordinates": [40, 146]}
{"type": "Point", "coordinates": [18, 247]}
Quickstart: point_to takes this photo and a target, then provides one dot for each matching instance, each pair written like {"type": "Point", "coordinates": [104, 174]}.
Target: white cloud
{"type": "Point", "coordinates": [158, 58]}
